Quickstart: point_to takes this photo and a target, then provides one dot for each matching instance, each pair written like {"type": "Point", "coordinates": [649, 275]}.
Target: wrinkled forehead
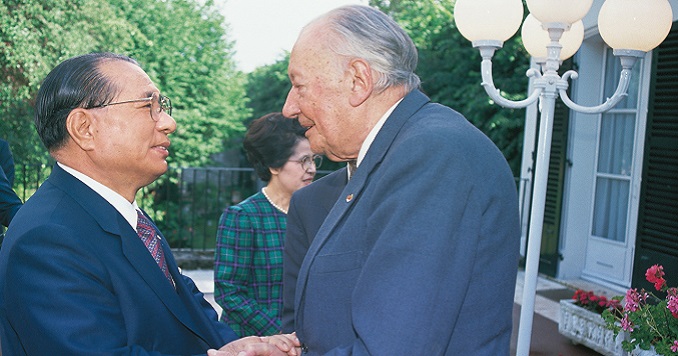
{"type": "Point", "coordinates": [312, 51]}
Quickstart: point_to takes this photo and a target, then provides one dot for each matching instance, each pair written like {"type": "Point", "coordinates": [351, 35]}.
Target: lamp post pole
{"type": "Point", "coordinates": [549, 83]}
{"type": "Point", "coordinates": [548, 102]}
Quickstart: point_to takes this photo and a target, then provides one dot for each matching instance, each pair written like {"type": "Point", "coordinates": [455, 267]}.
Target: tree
{"type": "Point", "coordinates": [267, 87]}
{"type": "Point", "coordinates": [450, 71]}
{"type": "Point", "coordinates": [35, 36]}
{"type": "Point", "coordinates": [190, 60]}
{"type": "Point", "coordinates": [181, 44]}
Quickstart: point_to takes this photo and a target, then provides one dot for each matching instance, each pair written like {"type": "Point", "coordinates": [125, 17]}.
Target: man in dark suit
{"type": "Point", "coordinates": [7, 161]}
{"type": "Point", "coordinates": [9, 201]}
{"type": "Point", "coordinates": [308, 208]}
{"type": "Point", "coordinates": [75, 276]}
{"type": "Point", "coordinates": [419, 255]}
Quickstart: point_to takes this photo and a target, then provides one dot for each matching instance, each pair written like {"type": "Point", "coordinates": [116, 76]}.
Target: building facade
{"type": "Point", "coordinates": [612, 200]}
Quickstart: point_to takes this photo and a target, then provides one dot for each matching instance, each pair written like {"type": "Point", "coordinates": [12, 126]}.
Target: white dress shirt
{"type": "Point", "coordinates": [126, 209]}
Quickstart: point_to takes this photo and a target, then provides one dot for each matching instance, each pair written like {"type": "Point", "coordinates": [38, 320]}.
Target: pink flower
{"type": "Point", "coordinates": [632, 300]}
{"type": "Point", "coordinates": [672, 299]}
{"type": "Point", "coordinates": [644, 316]}
{"type": "Point", "coordinates": [626, 324]}
{"type": "Point", "coordinates": [614, 304]}
{"type": "Point", "coordinates": [655, 274]}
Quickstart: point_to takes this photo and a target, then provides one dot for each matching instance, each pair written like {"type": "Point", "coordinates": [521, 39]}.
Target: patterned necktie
{"type": "Point", "coordinates": [149, 236]}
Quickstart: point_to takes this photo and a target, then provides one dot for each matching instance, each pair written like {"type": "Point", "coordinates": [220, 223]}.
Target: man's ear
{"type": "Point", "coordinates": [363, 81]}
{"type": "Point", "coordinates": [79, 125]}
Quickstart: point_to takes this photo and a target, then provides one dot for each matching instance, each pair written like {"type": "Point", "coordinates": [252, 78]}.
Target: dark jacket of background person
{"type": "Point", "coordinates": [9, 201]}
{"type": "Point", "coordinates": [7, 161]}
{"type": "Point", "coordinates": [308, 209]}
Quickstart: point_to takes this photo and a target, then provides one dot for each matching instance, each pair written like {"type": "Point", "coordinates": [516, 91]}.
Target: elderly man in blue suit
{"type": "Point", "coordinates": [83, 271]}
{"type": "Point", "coordinates": [419, 255]}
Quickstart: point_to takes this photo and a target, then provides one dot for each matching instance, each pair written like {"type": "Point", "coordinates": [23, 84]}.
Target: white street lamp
{"type": "Point", "coordinates": [536, 38]}
{"type": "Point", "coordinates": [495, 20]}
{"type": "Point", "coordinates": [639, 25]}
{"type": "Point", "coordinates": [563, 11]}
{"type": "Point", "coordinates": [552, 33]}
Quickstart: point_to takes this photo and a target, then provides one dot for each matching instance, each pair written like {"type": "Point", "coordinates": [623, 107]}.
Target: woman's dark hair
{"type": "Point", "coordinates": [75, 83]}
{"type": "Point", "coordinates": [270, 141]}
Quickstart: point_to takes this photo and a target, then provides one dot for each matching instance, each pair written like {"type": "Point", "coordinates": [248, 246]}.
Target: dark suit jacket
{"type": "Point", "coordinates": [9, 201]}
{"type": "Point", "coordinates": [75, 279]}
{"type": "Point", "coordinates": [308, 208]}
{"type": "Point", "coordinates": [419, 255]}
{"type": "Point", "coordinates": [7, 161]}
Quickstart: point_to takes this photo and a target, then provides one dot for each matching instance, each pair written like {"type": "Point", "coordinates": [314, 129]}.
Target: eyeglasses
{"type": "Point", "coordinates": [307, 161]}
{"type": "Point", "coordinates": [159, 103]}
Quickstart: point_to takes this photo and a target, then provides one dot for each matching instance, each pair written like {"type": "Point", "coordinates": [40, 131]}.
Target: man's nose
{"type": "Point", "coordinates": [166, 123]}
{"type": "Point", "coordinates": [290, 108]}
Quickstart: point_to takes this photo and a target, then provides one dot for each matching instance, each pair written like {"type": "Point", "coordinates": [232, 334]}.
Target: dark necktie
{"type": "Point", "coordinates": [351, 168]}
{"type": "Point", "coordinates": [149, 236]}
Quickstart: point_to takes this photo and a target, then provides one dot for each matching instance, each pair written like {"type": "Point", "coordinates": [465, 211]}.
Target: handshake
{"type": "Point", "coordinates": [276, 345]}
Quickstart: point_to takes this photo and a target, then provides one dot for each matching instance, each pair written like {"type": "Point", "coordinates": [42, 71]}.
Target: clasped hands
{"type": "Point", "coordinates": [276, 345]}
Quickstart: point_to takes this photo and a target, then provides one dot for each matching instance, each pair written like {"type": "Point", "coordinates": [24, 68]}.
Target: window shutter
{"type": "Point", "coordinates": [657, 235]}
{"type": "Point", "coordinates": [550, 255]}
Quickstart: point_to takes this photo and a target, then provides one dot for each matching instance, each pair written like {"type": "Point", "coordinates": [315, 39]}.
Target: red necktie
{"type": "Point", "coordinates": [149, 236]}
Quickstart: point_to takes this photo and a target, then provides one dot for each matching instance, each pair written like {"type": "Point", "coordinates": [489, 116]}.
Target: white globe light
{"type": "Point", "coordinates": [563, 11]}
{"type": "Point", "coordinates": [535, 38]}
{"type": "Point", "coordinates": [480, 20]}
{"type": "Point", "coordinates": [635, 24]}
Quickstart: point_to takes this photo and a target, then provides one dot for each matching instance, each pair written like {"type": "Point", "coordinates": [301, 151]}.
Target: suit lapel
{"type": "Point", "coordinates": [179, 301]}
{"type": "Point", "coordinates": [410, 105]}
{"type": "Point", "coordinates": [134, 250]}
{"type": "Point", "coordinates": [338, 180]}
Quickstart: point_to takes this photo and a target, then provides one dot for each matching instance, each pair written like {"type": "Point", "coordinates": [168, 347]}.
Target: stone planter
{"type": "Point", "coordinates": [588, 328]}
{"type": "Point", "coordinates": [640, 352]}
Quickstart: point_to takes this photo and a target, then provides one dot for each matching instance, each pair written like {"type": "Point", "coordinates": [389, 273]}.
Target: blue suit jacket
{"type": "Point", "coordinates": [9, 201]}
{"type": "Point", "coordinates": [7, 161]}
{"type": "Point", "coordinates": [419, 255]}
{"type": "Point", "coordinates": [308, 208]}
{"type": "Point", "coordinates": [75, 279]}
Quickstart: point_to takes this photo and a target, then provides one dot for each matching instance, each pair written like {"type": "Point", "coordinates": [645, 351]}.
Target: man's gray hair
{"type": "Point", "coordinates": [367, 33]}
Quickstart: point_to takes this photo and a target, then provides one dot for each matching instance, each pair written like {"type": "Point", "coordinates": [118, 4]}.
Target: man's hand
{"type": "Point", "coordinates": [276, 345]}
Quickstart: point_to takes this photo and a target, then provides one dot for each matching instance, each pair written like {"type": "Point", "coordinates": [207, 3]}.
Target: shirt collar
{"type": "Point", "coordinates": [125, 208]}
{"type": "Point", "coordinates": [373, 133]}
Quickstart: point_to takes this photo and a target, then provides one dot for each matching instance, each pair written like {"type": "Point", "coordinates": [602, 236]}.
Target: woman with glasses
{"type": "Point", "coordinates": [248, 265]}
